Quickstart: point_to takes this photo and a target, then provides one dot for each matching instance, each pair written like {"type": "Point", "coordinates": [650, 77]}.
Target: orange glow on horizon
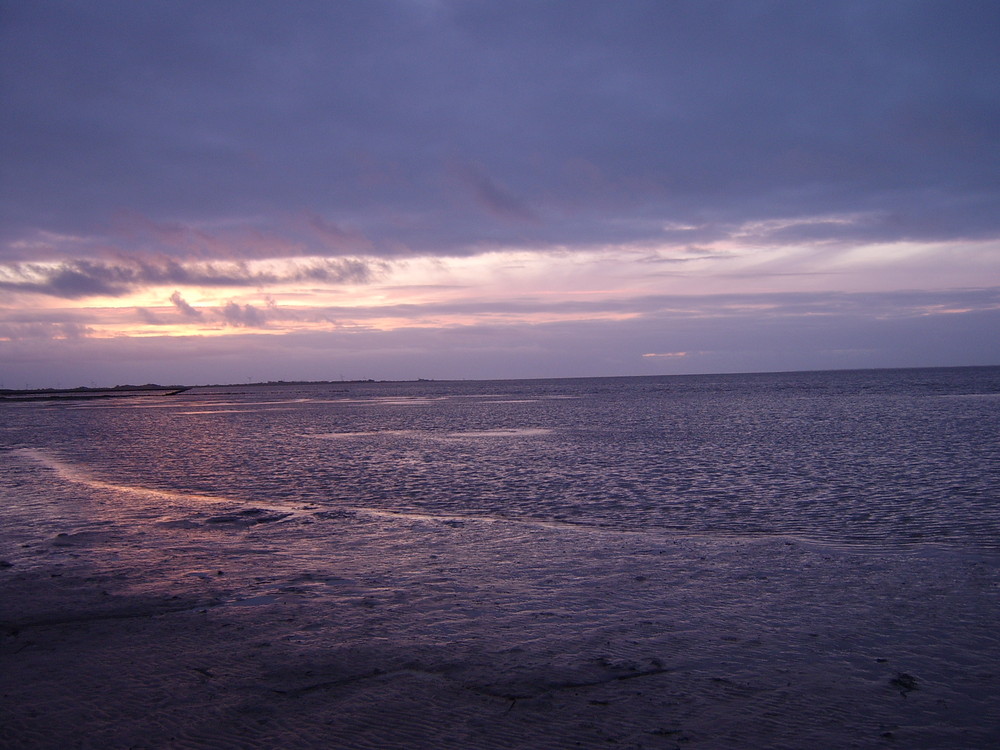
{"type": "Point", "coordinates": [500, 287]}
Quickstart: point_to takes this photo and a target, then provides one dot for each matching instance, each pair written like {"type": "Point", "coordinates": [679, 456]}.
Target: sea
{"type": "Point", "coordinates": [740, 560]}
{"type": "Point", "coordinates": [877, 457]}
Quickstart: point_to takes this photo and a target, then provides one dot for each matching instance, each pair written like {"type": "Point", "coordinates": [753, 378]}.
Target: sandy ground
{"type": "Point", "coordinates": [180, 623]}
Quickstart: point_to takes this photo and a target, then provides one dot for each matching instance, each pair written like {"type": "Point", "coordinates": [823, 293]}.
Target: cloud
{"type": "Point", "coordinates": [243, 316]}
{"type": "Point", "coordinates": [346, 271]}
{"type": "Point", "coordinates": [718, 307]}
{"type": "Point", "coordinates": [45, 331]}
{"type": "Point", "coordinates": [678, 165]}
{"type": "Point", "coordinates": [336, 238]}
{"type": "Point", "coordinates": [148, 316]}
{"type": "Point", "coordinates": [186, 310]}
{"type": "Point", "coordinates": [70, 280]}
{"type": "Point", "coordinates": [489, 195]}
{"type": "Point", "coordinates": [76, 279]}
{"type": "Point", "coordinates": [687, 112]}
{"type": "Point", "coordinates": [570, 348]}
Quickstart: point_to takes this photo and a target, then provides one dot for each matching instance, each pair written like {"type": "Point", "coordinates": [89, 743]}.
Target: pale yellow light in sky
{"type": "Point", "coordinates": [511, 286]}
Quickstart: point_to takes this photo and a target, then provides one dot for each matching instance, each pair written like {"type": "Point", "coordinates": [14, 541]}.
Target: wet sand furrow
{"type": "Point", "coordinates": [549, 687]}
{"type": "Point", "coordinates": [17, 626]}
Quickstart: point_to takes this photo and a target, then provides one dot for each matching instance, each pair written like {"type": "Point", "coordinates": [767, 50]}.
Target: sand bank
{"type": "Point", "coordinates": [205, 625]}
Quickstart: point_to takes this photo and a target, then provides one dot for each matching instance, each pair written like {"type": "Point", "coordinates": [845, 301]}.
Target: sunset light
{"type": "Point", "coordinates": [641, 194]}
{"type": "Point", "coordinates": [499, 374]}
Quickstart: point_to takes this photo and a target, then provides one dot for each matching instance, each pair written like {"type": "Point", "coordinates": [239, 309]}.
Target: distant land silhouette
{"type": "Point", "coordinates": [154, 389]}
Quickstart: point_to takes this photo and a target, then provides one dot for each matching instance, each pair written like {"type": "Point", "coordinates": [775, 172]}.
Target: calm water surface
{"type": "Point", "coordinates": [890, 457]}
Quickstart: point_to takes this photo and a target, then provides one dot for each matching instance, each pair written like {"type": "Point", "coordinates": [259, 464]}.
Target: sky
{"type": "Point", "coordinates": [223, 191]}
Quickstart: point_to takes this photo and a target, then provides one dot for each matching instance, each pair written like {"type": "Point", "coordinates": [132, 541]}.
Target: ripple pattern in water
{"type": "Point", "coordinates": [878, 457]}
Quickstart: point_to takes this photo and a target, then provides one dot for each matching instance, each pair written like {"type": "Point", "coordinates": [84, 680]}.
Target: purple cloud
{"type": "Point", "coordinates": [751, 146]}
{"type": "Point", "coordinates": [688, 112]}
{"type": "Point", "coordinates": [493, 198]}
{"type": "Point", "coordinates": [76, 279]}
{"type": "Point", "coordinates": [186, 310]}
{"type": "Point", "coordinates": [243, 316]}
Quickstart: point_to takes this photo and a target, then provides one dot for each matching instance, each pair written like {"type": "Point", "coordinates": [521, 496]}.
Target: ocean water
{"type": "Point", "coordinates": [769, 560]}
{"type": "Point", "coordinates": [874, 457]}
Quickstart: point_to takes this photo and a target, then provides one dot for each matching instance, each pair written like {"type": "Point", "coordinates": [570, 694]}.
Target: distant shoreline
{"type": "Point", "coordinates": [120, 391]}
{"type": "Point", "coordinates": [20, 394]}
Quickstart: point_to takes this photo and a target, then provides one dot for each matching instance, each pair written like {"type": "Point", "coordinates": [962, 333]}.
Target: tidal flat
{"type": "Point", "coordinates": [144, 603]}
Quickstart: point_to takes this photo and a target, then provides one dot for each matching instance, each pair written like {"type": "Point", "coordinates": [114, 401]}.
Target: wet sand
{"type": "Point", "coordinates": [187, 623]}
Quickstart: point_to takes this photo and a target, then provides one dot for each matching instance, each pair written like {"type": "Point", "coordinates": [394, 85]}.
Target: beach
{"type": "Point", "coordinates": [143, 617]}
{"type": "Point", "coordinates": [367, 630]}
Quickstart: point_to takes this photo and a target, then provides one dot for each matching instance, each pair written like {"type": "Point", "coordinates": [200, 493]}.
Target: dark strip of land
{"type": "Point", "coordinates": [52, 394]}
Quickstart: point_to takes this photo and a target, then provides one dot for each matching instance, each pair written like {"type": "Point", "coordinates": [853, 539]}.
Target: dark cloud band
{"type": "Point", "coordinates": [76, 279]}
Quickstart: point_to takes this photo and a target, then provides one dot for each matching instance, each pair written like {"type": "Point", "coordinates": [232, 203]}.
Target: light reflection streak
{"type": "Point", "coordinates": [514, 432]}
{"type": "Point", "coordinates": [78, 475]}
